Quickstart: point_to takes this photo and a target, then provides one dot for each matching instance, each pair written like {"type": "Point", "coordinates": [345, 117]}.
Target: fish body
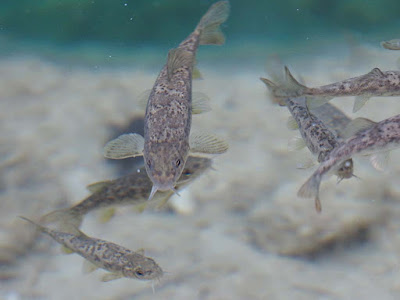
{"type": "Point", "coordinates": [333, 118]}
{"type": "Point", "coordinates": [318, 138]}
{"type": "Point", "coordinates": [133, 189]}
{"type": "Point", "coordinates": [167, 125]}
{"type": "Point", "coordinates": [391, 45]}
{"type": "Point", "coordinates": [118, 260]}
{"type": "Point", "coordinates": [377, 137]}
{"type": "Point", "coordinates": [373, 84]}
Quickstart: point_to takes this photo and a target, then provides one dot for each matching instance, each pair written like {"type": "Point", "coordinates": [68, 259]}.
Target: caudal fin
{"type": "Point", "coordinates": [209, 24]}
{"type": "Point", "coordinates": [283, 88]}
{"type": "Point", "coordinates": [293, 85]}
{"type": "Point", "coordinates": [310, 189]}
{"type": "Point", "coordinates": [63, 218]}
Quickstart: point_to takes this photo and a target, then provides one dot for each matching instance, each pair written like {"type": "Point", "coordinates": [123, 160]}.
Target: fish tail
{"type": "Point", "coordinates": [209, 25]}
{"type": "Point", "coordinates": [37, 225]}
{"type": "Point", "coordinates": [293, 85]}
{"type": "Point", "coordinates": [285, 87]}
{"type": "Point", "coordinates": [64, 218]}
{"type": "Point", "coordinates": [310, 189]}
{"type": "Point", "coordinates": [297, 89]}
{"type": "Point", "coordinates": [273, 88]}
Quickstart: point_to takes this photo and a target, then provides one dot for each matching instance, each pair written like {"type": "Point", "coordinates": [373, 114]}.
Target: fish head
{"type": "Point", "coordinates": [345, 169]}
{"type": "Point", "coordinates": [164, 164]}
{"type": "Point", "coordinates": [142, 268]}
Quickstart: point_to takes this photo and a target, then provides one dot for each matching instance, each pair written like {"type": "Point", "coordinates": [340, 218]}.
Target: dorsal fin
{"type": "Point", "coordinates": [98, 186]}
{"type": "Point", "coordinates": [178, 58]}
{"type": "Point", "coordinates": [376, 72]}
{"type": "Point", "coordinates": [357, 125]}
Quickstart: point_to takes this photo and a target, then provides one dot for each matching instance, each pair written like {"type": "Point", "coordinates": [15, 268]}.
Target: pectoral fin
{"type": "Point", "coordinates": [357, 125]}
{"type": "Point", "coordinates": [196, 74]}
{"type": "Point", "coordinates": [88, 267]}
{"type": "Point", "coordinates": [305, 162]}
{"type": "Point", "coordinates": [106, 214]}
{"type": "Point", "coordinates": [314, 102]}
{"type": "Point", "coordinates": [380, 161]}
{"type": "Point", "coordinates": [98, 186]}
{"type": "Point", "coordinates": [202, 142]}
{"type": "Point", "coordinates": [110, 276]}
{"type": "Point", "coordinates": [124, 146]}
{"type": "Point", "coordinates": [200, 103]}
{"type": "Point", "coordinates": [296, 143]}
{"type": "Point", "coordinates": [143, 98]}
{"type": "Point", "coordinates": [359, 102]}
{"type": "Point", "coordinates": [292, 124]}
{"type": "Point", "coordinates": [66, 250]}
{"type": "Point", "coordinates": [140, 207]}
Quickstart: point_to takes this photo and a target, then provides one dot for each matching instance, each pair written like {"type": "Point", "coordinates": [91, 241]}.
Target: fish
{"type": "Point", "coordinates": [167, 139]}
{"type": "Point", "coordinates": [316, 135]}
{"type": "Point", "coordinates": [373, 84]}
{"type": "Point", "coordinates": [391, 45]}
{"type": "Point", "coordinates": [132, 189]}
{"type": "Point", "coordinates": [117, 260]}
{"type": "Point", "coordinates": [365, 137]}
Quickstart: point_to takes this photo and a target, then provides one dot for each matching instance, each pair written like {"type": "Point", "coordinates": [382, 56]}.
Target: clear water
{"type": "Point", "coordinates": [72, 73]}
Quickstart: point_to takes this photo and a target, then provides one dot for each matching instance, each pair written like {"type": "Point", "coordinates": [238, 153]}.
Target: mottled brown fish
{"type": "Point", "coordinates": [373, 84]}
{"type": "Point", "coordinates": [366, 138]}
{"type": "Point", "coordinates": [315, 134]}
{"type": "Point", "coordinates": [391, 45]}
{"type": "Point", "coordinates": [166, 144]}
{"type": "Point", "coordinates": [118, 260]}
{"type": "Point", "coordinates": [133, 189]}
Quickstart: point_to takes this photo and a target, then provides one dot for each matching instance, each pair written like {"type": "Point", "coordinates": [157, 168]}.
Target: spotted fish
{"type": "Point", "coordinates": [118, 260]}
{"type": "Point", "coordinates": [133, 189]}
{"type": "Point", "coordinates": [316, 135]}
{"type": "Point", "coordinates": [375, 83]}
{"type": "Point", "coordinates": [391, 45]}
{"type": "Point", "coordinates": [167, 140]}
{"type": "Point", "coordinates": [366, 138]}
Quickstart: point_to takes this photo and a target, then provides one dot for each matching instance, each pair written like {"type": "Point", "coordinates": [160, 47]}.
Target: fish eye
{"type": "Point", "coordinates": [178, 162]}
{"type": "Point", "coordinates": [139, 272]}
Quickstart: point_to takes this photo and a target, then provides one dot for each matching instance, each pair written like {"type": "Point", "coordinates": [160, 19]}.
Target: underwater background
{"type": "Point", "coordinates": [72, 73]}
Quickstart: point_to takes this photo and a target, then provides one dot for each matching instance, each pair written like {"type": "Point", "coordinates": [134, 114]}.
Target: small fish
{"type": "Point", "coordinates": [166, 144]}
{"type": "Point", "coordinates": [118, 260]}
{"type": "Point", "coordinates": [391, 45]}
{"type": "Point", "coordinates": [373, 84]}
{"type": "Point", "coordinates": [365, 138]}
{"type": "Point", "coordinates": [315, 134]}
{"type": "Point", "coordinates": [133, 189]}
